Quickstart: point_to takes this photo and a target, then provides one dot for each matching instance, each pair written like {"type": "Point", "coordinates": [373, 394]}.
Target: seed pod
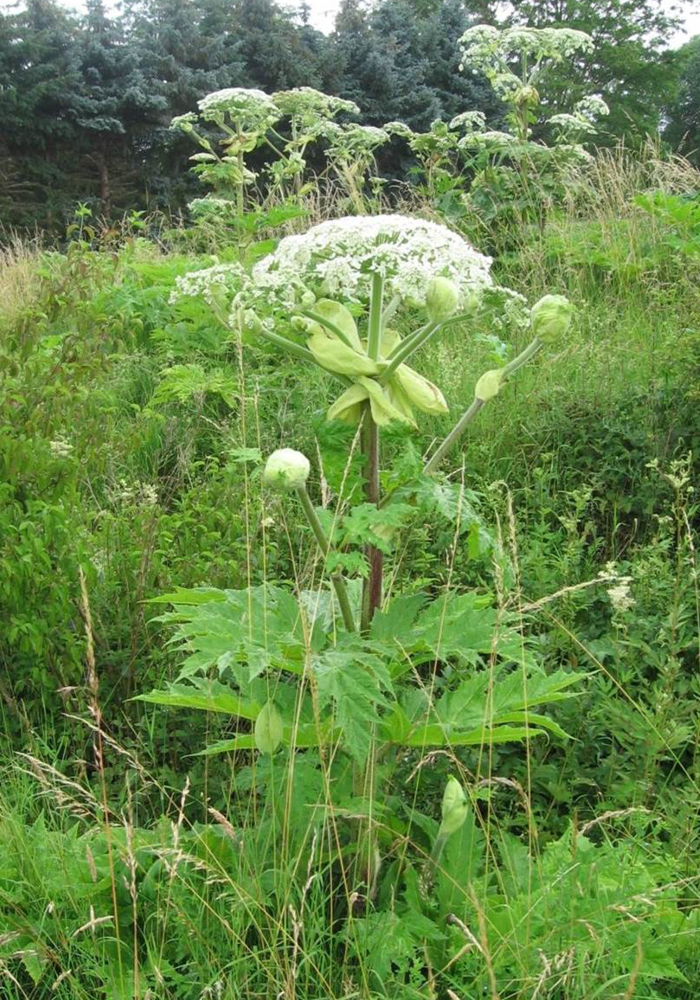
{"type": "Point", "coordinates": [488, 385]}
{"type": "Point", "coordinates": [286, 469]}
{"type": "Point", "coordinates": [550, 318]}
{"type": "Point", "coordinates": [442, 299]}
{"type": "Point", "coordinates": [454, 808]}
{"type": "Point", "coordinates": [269, 729]}
{"type": "Point", "coordinates": [421, 392]}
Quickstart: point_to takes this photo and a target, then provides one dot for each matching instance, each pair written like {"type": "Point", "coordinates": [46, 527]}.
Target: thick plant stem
{"type": "Point", "coordinates": [325, 547]}
{"type": "Point", "coordinates": [372, 586]}
{"type": "Point", "coordinates": [522, 359]}
{"type": "Point", "coordinates": [452, 438]}
{"type": "Point", "coordinates": [374, 333]}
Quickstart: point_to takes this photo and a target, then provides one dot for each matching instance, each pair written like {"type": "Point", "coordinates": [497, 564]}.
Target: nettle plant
{"type": "Point", "coordinates": [514, 173]}
{"type": "Point", "coordinates": [341, 667]}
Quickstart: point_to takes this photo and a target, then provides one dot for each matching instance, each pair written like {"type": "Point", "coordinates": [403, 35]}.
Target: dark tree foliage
{"type": "Point", "coordinates": [630, 67]}
{"type": "Point", "coordinates": [85, 101]}
{"type": "Point", "coordinates": [683, 128]}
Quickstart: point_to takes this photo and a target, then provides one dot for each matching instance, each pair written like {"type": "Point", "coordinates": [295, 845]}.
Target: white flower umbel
{"type": "Point", "coordinates": [306, 104]}
{"type": "Point", "coordinates": [251, 108]}
{"type": "Point", "coordinates": [211, 283]}
{"type": "Point", "coordinates": [337, 259]}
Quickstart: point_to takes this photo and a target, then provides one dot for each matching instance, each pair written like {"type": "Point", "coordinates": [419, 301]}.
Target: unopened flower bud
{"type": "Point", "coordinates": [527, 97]}
{"type": "Point", "coordinates": [286, 469]}
{"type": "Point", "coordinates": [454, 808]}
{"type": "Point", "coordinates": [251, 322]}
{"type": "Point", "coordinates": [550, 318]}
{"type": "Point", "coordinates": [442, 299]}
{"type": "Point", "coordinates": [488, 385]}
{"type": "Point", "coordinates": [269, 729]}
{"type": "Point", "coordinates": [301, 323]}
{"type": "Point", "coordinates": [307, 298]}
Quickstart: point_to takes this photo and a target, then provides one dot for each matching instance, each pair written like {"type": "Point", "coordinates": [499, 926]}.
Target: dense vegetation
{"type": "Point", "coordinates": [324, 676]}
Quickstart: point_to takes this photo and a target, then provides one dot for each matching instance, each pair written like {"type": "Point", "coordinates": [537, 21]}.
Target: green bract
{"type": "Point", "coordinates": [454, 808]}
{"type": "Point", "coordinates": [286, 469]}
{"type": "Point", "coordinates": [269, 729]}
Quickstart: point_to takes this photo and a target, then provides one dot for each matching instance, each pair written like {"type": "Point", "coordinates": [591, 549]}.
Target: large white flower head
{"type": "Point", "coordinates": [252, 109]}
{"type": "Point", "coordinates": [337, 259]}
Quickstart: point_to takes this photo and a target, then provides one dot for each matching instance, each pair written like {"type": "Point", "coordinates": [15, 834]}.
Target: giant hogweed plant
{"type": "Point", "coordinates": [360, 677]}
{"type": "Point", "coordinates": [285, 124]}
{"type": "Point", "coordinates": [515, 174]}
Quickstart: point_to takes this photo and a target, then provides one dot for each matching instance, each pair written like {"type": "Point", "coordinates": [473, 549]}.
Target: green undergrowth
{"type": "Point", "coordinates": [130, 453]}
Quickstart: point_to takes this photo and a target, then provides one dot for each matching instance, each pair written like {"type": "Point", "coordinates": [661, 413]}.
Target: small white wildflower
{"type": "Point", "coordinates": [60, 447]}
{"type": "Point", "coordinates": [620, 596]}
{"type": "Point", "coordinates": [136, 494]}
{"type": "Point", "coordinates": [209, 282]}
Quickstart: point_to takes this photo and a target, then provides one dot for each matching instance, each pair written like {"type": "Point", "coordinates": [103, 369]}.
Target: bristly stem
{"type": "Point", "coordinates": [372, 585]}
{"type": "Point", "coordinates": [469, 414]}
{"type": "Point", "coordinates": [325, 547]}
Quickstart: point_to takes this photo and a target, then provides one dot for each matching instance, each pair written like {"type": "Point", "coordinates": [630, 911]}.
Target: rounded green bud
{"type": "Point", "coordinates": [307, 298]}
{"type": "Point", "coordinates": [454, 808]}
{"type": "Point", "coordinates": [441, 299]}
{"type": "Point", "coordinates": [550, 318]}
{"type": "Point", "coordinates": [527, 97]}
{"type": "Point", "coordinates": [488, 385]}
{"type": "Point", "coordinates": [286, 469]}
{"type": "Point", "coordinates": [269, 729]}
